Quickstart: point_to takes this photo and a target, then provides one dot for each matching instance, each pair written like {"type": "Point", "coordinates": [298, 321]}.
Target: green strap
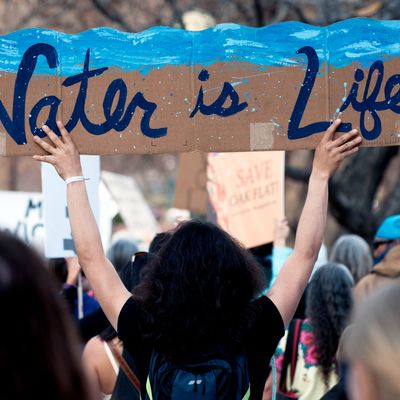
{"type": "Point", "coordinates": [148, 389]}
{"type": "Point", "coordinates": [247, 395]}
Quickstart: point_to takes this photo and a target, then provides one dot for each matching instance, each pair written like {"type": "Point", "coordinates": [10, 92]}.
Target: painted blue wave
{"type": "Point", "coordinates": [355, 40]}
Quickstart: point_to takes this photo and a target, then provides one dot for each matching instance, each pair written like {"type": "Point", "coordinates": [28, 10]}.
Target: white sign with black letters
{"type": "Point", "coordinates": [58, 238]}
{"type": "Point", "coordinates": [22, 215]}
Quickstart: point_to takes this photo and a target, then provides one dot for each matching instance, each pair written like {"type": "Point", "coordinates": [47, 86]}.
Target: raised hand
{"type": "Point", "coordinates": [102, 276]}
{"type": "Point", "coordinates": [292, 280]}
{"type": "Point", "coordinates": [63, 154]}
{"type": "Point", "coordinates": [73, 268]}
{"type": "Point", "coordinates": [331, 152]}
{"type": "Point", "coordinates": [281, 232]}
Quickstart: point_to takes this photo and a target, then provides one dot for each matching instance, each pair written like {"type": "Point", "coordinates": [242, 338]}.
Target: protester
{"type": "Point", "coordinates": [280, 250]}
{"type": "Point", "coordinates": [329, 302]}
{"type": "Point", "coordinates": [387, 237]}
{"type": "Point", "coordinates": [96, 322]}
{"type": "Point", "coordinates": [372, 347]}
{"type": "Point", "coordinates": [172, 217]}
{"type": "Point", "coordinates": [78, 295]}
{"type": "Point", "coordinates": [339, 392]}
{"type": "Point", "coordinates": [386, 257]}
{"type": "Point", "coordinates": [203, 288]}
{"type": "Point", "coordinates": [280, 253]}
{"type": "Point", "coordinates": [121, 253]}
{"type": "Point", "coordinates": [101, 364]}
{"type": "Point", "coordinates": [102, 353]}
{"type": "Point", "coordinates": [353, 252]}
{"type": "Point", "coordinates": [39, 350]}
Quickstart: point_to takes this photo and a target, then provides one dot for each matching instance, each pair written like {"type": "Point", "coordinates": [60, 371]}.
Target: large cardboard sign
{"type": "Point", "coordinates": [58, 238]}
{"type": "Point", "coordinates": [228, 88]}
{"type": "Point", "coordinates": [247, 193]}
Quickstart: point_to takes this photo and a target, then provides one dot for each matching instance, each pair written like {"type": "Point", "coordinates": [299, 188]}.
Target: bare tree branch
{"type": "Point", "coordinates": [353, 190]}
{"type": "Point", "coordinates": [281, 13]}
{"type": "Point", "coordinates": [176, 12]}
{"type": "Point", "coordinates": [251, 20]}
{"type": "Point", "coordinates": [297, 9]}
{"type": "Point", "coordinates": [390, 9]}
{"type": "Point", "coordinates": [112, 14]}
{"type": "Point", "coordinates": [24, 20]}
{"type": "Point", "coordinates": [259, 13]}
{"type": "Point", "coordinates": [364, 174]}
{"type": "Point", "coordinates": [297, 174]}
{"type": "Point", "coordinates": [354, 219]}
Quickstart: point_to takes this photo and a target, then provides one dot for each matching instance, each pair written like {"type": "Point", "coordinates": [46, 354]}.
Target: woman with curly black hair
{"type": "Point", "coordinates": [329, 303]}
{"type": "Point", "coordinates": [204, 289]}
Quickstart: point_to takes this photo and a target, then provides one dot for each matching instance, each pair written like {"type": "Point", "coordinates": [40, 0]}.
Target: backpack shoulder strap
{"type": "Point", "coordinates": [127, 370]}
{"type": "Point", "coordinates": [290, 357]}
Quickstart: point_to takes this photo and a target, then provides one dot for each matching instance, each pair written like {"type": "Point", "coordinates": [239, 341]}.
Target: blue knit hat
{"type": "Point", "coordinates": [390, 228]}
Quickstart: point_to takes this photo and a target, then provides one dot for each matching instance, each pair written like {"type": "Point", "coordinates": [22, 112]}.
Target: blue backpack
{"type": "Point", "coordinates": [213, 376]}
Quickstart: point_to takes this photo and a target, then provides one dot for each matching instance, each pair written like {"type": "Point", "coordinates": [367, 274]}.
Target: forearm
{"type": "Point", "coordinates": [101, 274]}
{"type": "Point", "coordinates": [279, 257]}
{"type": "Point", "coordinates": [292, 279]}
{"type": "Point", "coordinates": [84, 228]}
{"type": "Point", "coordinates": [311, 227]}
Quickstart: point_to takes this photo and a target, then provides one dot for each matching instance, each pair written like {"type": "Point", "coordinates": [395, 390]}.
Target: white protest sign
{"type": "Point", "coordinates": [22, 215]}
{"type": "Point", "coordinates": [108, 210]}
{"type": "Point", "coordinates": [132, 205]}
{"type": "Point", "coordinates": [58, 239]}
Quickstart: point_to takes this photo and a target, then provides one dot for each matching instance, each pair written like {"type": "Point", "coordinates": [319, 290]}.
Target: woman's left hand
{"type": "Point", "coordinates": [331, 152]}
{"type": "Point", "coordinates": [63, 154]}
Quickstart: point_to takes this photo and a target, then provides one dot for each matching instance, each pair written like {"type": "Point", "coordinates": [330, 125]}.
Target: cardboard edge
{"type": "Point", "coordinates": [3, 144]}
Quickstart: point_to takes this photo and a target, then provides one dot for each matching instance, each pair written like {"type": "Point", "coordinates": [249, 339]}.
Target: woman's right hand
{"type": "Point", "coordinates": [62, 153]}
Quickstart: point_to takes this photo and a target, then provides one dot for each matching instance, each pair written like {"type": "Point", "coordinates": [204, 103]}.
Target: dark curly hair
{"type": "Point", "coordinates": [198, 290]}
{"type": "Point", "coordinates": [329, 303]}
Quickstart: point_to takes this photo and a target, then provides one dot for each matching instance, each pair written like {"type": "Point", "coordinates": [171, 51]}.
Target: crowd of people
{"type": "Point", "coordinates": [198, 315]}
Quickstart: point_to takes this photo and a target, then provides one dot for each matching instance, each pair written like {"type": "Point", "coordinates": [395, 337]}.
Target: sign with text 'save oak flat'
{"type": "Point", "coordinates": [228, 88]}
{"type": "Point", "coordinates": [247, 193]}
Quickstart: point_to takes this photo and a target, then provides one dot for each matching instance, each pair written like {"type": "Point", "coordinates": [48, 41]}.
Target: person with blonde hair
{"type": "Point", "coordinates": [353, 252]}
{"type": "Point", "coordinates": [372, 347]}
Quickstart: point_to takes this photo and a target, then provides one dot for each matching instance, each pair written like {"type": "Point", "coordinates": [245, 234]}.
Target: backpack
{"type": "Point", "coordinates": [213, 376]}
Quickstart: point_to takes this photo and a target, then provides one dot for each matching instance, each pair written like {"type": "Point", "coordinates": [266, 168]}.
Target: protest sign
{"type": "Point", "coordinates": [108, 210]}
{"type": "Point", "coordinates": [58, 239]}
{"type": "Point", "coordinates": [132, 205]}
{"type": "Point", "coordinates": [228, 88]}
{"type": "Point", "coordinates": [247, 193]}
{"type": "Point", "coordinates": [191, 183]}
{"type": "Point", "coordinates": [23, 215]}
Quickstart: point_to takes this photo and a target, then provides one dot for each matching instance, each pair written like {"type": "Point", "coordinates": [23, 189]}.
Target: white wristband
{"type": "Point", "coordinates": [75, 179]}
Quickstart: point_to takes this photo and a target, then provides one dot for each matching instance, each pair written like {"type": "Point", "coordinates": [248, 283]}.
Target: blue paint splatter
{"type": "Point", "coordinates": [356, 40]}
